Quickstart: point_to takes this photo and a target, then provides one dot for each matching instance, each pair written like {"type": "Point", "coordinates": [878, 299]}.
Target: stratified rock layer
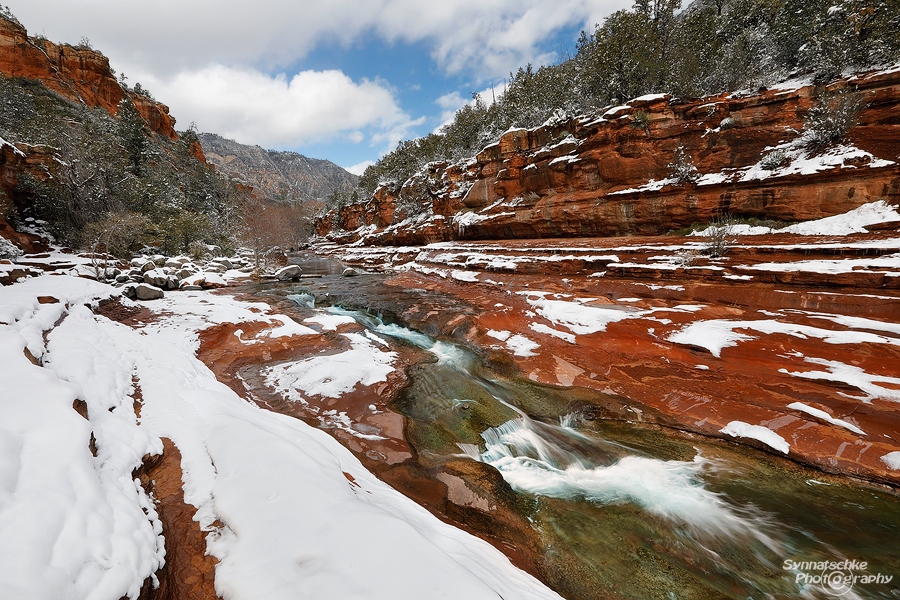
{"type": "Point", "coordinates": [610, 174]}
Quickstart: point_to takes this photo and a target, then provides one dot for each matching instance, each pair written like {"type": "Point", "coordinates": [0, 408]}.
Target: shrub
{"type": "Point", "coordinates": [640, 119]}
{"type": "Point", "coordinates": [829, 122]}
{"type": "Point", "coordinates": [719, 237]}
{"type": "Point", "coordinates": [773, 160]}
{"type": "Point", "coordinates": [682, 170]}
{"type": "Point", "coordinates": [118, 234]}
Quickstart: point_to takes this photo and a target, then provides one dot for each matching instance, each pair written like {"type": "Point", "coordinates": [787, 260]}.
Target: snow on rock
{"type": "Point", "coordinates": [332, 376]}
{"type": "Point", "coordinates": [290, 272]}
{"type": "Point", "coordinates": [578, 318]}
{"type": "Point", "coordinates": [282, 518]}
{"type": "Point", "coordinates": [714, 335]}
{"type": "Point", "coordinates": [821, 414]}
{"type": "Point", "coordinates": [288, 328]}
{"type": "Point", "coordinates": [330, 322]}
{"type": "Point", "coordinates": [467, 276]}
{"type": "Point", "coordinates": [757, 432]}
{"type": "Point", "coordinates": [499, 335]}
{"type": "Point", "coordinates": [522, 346]}
{"type": "Point", "coordinates": [799, 162]}
{"type": "Point", "coordinates": [892, 460]}
{"type": "Point", "coordinates": [541, 328]}
{"type": "Point", "coordinates": [854, 221]}
{"type": "Point", "coordinates": [853, 376]}
{"type": "Point", "coordinates": [830, 266]}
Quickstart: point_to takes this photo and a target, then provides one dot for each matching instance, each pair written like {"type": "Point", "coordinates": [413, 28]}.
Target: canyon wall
{"type": "Point", "coordinates": [78, 73]}
{"type": "Point", "coordinates": [612, 173]}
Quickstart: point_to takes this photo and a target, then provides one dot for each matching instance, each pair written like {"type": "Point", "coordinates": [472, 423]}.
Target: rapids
{"type": "Point", "coordinates": [624, 509]}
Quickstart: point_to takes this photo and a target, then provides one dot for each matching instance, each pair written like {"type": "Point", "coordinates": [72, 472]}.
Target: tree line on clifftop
{"type": "Point", "coordinates": [107, 183]}
{"type": "Point", "coordinates": [710, 47]}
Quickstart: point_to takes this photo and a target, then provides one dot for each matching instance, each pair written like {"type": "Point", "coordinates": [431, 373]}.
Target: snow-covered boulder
{"type": "Point", "coordinates": [156, 277]}
{"type": "Point", "coordinates": [142, 291]}
{"type": "Point", "coordinates": [224, 262]}
{"type": "Point", "coordinates": [288, 273]}
{"type": "Point", "coordinates": [350, 272]}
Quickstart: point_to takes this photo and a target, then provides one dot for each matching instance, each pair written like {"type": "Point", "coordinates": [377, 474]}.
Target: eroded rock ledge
{"type": "Point", "coordinates": [609, 174]}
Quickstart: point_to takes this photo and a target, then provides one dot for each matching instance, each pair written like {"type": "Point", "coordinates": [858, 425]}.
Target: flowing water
{"type": "Point", "coordinates": [625, 510]}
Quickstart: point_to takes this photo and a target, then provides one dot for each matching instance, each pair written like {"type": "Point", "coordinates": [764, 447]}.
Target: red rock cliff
{"type": "Point", "coordinates": [609, 174]}
{"type": "Point", "coordinates": [78, 73]}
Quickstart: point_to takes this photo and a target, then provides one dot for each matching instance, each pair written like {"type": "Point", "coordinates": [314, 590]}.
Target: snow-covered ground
{"type": "Point", "coordinates": [293, 525]}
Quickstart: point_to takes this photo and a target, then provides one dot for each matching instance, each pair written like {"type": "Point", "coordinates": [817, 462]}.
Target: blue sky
{"type": "Point", "coordinates": [343, 80]}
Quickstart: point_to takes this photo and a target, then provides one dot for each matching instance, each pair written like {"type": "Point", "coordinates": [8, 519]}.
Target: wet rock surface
{"type": "Point", "coordinates": [824, 338]}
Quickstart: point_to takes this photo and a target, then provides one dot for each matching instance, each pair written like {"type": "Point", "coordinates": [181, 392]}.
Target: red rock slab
{"type": "Point", "coordinates": [750, 382]}
{"type": "Point", "coordinates": [189, 572]}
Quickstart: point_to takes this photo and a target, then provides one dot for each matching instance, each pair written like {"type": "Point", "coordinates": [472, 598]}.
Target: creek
{"type": "Point", "coordinates": [623, 509]}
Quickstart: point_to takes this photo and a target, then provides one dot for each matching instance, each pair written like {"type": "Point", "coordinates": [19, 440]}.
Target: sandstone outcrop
{"type": "Point", "coordinates": [78, 73]}
{"type": "Point", "coordinates": [611, 174]}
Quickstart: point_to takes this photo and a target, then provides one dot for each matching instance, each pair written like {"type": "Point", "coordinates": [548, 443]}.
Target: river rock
{"type": "Point", "coordinates": [288, 273]}
{"type": "Point", "coordinates": [156, 277]}
{"type": "Point", "coordinates": [141, 291]}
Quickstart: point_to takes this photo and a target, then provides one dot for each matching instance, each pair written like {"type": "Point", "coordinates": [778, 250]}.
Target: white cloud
{"type": "Point", "coordinates": [358, 168]}
{"type": "Point", "coordinates": [486, 38]}
{"type": "Point", "coordinates": [252, 107]}
{"type": "Point", "coordinates": [212, 61]}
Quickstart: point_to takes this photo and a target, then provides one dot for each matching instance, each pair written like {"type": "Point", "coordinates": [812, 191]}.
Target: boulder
{"type": "Point", "coordinates": [141, 291]}
{"type": "Point", "coordinates": [288, 273]}
{"type": "Point", "coordinates": [156, 277]}
{"type": "Point", "coordinates": [224, 262]}
{"type": "Point", "coordinates": [350, 272]}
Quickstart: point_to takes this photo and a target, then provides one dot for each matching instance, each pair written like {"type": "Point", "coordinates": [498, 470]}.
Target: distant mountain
{"type": "Point", "coordinates": [280, 175]}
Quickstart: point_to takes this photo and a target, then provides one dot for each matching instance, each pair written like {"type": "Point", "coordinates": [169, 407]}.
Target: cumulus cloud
{"type": "Point", "coordinates": [485, 37]}
{"type": "Point", "coordinates": [252, 107]}
{"type": "Point", "coordinates": [216, 62]}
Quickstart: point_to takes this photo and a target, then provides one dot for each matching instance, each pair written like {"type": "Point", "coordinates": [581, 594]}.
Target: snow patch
{"type": "Point", "coordinates": [757, 432]}
{"type": "Point", "coordinates": [821, 414]}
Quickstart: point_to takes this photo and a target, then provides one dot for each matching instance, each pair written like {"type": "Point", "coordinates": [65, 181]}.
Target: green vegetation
{"type": "Point", "coordinates": [108, 182]}
{"type": "Point", "coordinates": [711, 46]}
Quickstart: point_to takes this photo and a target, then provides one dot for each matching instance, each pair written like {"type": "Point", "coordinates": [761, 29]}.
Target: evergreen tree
{"type": "Point", "coordinates": [133, 133]}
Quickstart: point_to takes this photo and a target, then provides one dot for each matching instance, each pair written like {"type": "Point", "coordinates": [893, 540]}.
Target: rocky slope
{"type": "Point", "coordinates": [279, 175]}
{"type": "Point", "coordinates": [76, 72]}
{"type": "Point", "coordinates": [612, 174]}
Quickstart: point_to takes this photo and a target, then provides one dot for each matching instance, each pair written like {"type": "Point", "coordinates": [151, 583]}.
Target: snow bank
{"type": "Point", "coordinates": [292, 525]}
{"type": "Point", "coordinates": [72, 525]}
{"type": "Point", "coordinates": [854, 221]}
